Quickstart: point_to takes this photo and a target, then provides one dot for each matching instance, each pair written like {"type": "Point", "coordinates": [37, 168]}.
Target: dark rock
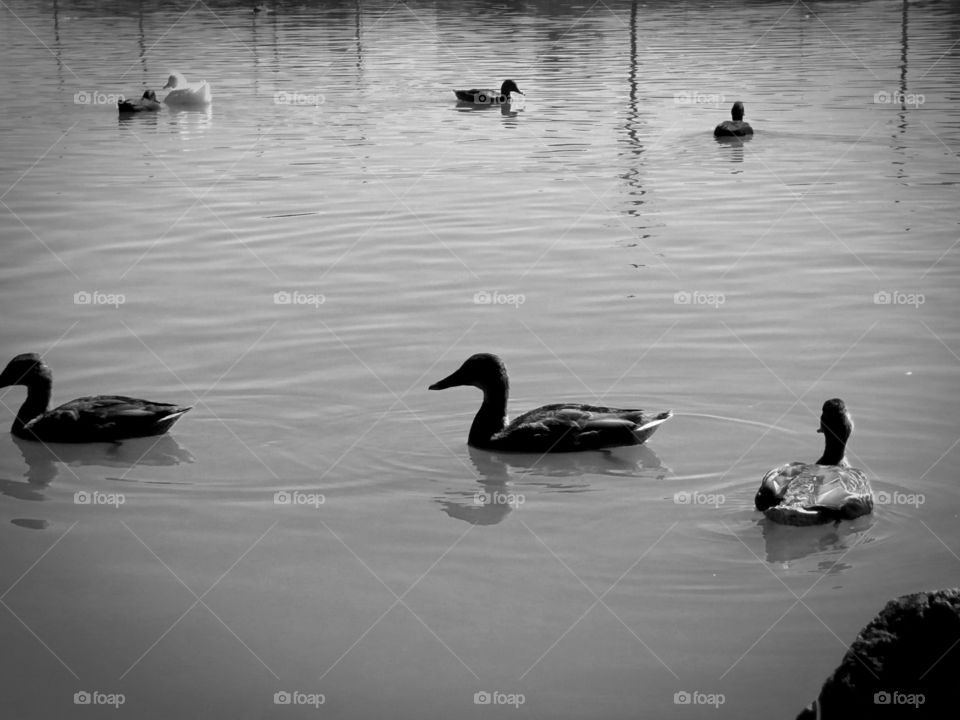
{"type": "Point", "coordinates": [904, 664]}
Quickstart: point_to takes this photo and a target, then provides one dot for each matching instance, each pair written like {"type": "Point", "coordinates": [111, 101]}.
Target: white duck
{"type": "Point", "coordinates": [186, 94]}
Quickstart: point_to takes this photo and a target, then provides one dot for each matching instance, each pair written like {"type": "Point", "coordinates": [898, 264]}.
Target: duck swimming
{"type": "Point", "coordinates": [99, 418]}
{"type": "Point", "coordinates": [147, 103]}
{"type": "Point", "coordinates": [186, 94]}
{"type": "Point", "coordinates": [737, 127]}
{"type": "Point", "coordinates": [488, 97]}
{"type": "Point", "coordinates": [551, 428]}
{"type": "Point", "coordinates": [808, 494]}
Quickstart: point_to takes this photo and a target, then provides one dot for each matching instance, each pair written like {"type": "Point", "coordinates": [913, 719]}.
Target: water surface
{"type": "Point", "coordinates": [630, 259]}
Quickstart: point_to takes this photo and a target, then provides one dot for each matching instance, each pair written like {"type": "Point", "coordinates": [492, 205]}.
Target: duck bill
{"type": "Point", "coordinates": [454, 380]}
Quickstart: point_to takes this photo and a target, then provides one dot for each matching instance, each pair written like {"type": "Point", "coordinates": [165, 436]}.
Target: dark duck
{"type": "Point", "coordinates": [564, 427]}
{"type": "Point", "coordinates": [737, 127]}
{"type": "Point", "coordinates": [146, 103]}
{"type": "Point", "coordinates": [99, 418]}
{"type": "Point", "coordinates": [488, 97]}
{"type": "Point", "coordinates": [827, 490]}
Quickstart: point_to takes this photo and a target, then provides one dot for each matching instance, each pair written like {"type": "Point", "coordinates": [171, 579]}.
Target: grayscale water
{"type": "Point", "coordinates": [630, 259]}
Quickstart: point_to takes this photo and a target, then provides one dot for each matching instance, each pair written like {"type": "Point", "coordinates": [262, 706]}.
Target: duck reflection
{"type": "Point", "coordinates": [790, 542]}
{"type": "Point", "coordinates": [509, 109]}
{"type": "Point", "coordinates": [735, 145]}
{"type": "Point", "coordinates": [190, 122]}
{"type": "Point", "coordinates": [502, 478]}
{"type": "Point", "coordinates": [138, 120]}
{"type": "Point", "coordinates": [44, 460]}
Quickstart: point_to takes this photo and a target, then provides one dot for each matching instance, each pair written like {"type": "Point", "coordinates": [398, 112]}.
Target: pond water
{"type": "Point", "coordinates": [334, 233]}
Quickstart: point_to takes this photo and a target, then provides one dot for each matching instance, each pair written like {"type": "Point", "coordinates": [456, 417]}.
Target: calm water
{"type": "Point", "coordinates": [634, 260]}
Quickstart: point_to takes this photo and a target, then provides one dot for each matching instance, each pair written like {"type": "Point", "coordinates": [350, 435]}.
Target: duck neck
{"type": "Point", "coordinates": [490, 418]}
{"type": "Point", "coordinates": [39, 392]}
{"type": "Point", "coordinates": [834, 450]}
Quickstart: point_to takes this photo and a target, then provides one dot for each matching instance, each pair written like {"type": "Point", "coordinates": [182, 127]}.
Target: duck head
{"type": "Point", "coordinates": [508, 87]}
{"type": "Point", "coordinates": [737, 111]}
{"type": "Point", "coordinates": [28, 370]}
{"type": "Point", "coordinates": [836, 426]}
{"type": "Point", "coordinates": [487, 372]}
{"type": "Point", "coordinates": [483, 370]}
{"type": "Point", "coordinates": [174, 81]}
{"type": "Point", "coordinates": [149, 95]}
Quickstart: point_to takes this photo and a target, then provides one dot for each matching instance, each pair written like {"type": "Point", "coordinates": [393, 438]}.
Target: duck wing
{"type": "Point", "coordinates": [133, 106]}
{"type": "Point", "coordinates": [773, 486]}
{"type": "Point", "coordinates": [844, 493]}
{"type": "Point", "coordinates": [194, 94]}
{"type": "Point", "coordinates": [568, 427]}
{"type": "Point", "coordinates": [803, 494]}
{"type": "Point", "coordinates": [104, 418]}
{"type": "Point", "coordinates": [476, 95]}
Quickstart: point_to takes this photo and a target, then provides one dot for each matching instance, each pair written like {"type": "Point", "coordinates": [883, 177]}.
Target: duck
{"type": "Point", "coordinates": [562, 427]}
{"type": "Point", "coordinates": [146, 103]}
{"type": "Point", "coordinates": [828, 490]}
{"type": "Point", "coordinates": [488, 97]}
{"type": "Point", "coordinates": [737, 127]}
{"type": "Point", "coordinates": [186, 94]}
{"type": "Point", "coordinates": [98, 418]}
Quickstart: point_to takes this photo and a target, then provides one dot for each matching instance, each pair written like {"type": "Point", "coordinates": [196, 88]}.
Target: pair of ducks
{"type": "Point", "coordinates": [794, 493]}
{"type": "Point", "coordinates": [736, 127]}
{"type": "Point", "coordinates": [183, 94]}
{"type": "Point", "coordinates": [186, 94]}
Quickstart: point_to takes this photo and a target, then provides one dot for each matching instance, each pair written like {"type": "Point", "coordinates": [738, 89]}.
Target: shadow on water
{"type": "Point", "coordinates": [507, 109]}
{"type": "Point", "coordinates": [46, 460]}
{"type": "Point", "coordinates": [785, 543]}
{"type": "Point", "coordinates": [734, 145]}
{"type": "Point", "coordinates": [502, 477]}
{"type": "Point", "coordinates": [139, 120]}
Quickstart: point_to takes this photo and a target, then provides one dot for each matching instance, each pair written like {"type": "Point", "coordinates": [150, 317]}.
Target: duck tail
{"type": "Point", "coordinates": [165, 422]}
{"type": "Point", "coordinates": [656, 420]}
{"type": "Point", "coordinates": [645, 429]}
